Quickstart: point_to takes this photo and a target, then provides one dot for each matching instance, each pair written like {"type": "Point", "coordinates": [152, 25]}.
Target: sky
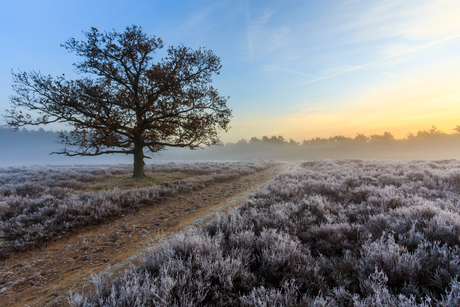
{"type": "Point", "coordinates": [300, 69]}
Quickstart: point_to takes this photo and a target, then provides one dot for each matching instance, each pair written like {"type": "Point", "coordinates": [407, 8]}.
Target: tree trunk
{"type": "Point", "coordinates": [138, 163]}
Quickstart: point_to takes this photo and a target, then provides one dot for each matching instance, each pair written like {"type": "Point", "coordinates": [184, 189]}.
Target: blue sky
{"type": "Point", "coordinates": [300, 69]}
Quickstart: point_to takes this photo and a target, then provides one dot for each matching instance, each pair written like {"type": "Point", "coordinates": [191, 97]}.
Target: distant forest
{"type": "Point", "coordinates": [425, 144]}
{"type": "Point", "coordinates": [25, 147]}
{"type": "Point", "coordinates": [422, 135]}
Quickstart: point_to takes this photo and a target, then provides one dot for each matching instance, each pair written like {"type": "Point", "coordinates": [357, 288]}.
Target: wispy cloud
{"type": "Point", "coordinates": [442, 24]}
{"type": "Point", "coordinates": [332, 75]}
{"type": "Point", "coordinates": [384, 59]}
{"type": "Point", "coordinates": [400, 77]}
{"type": "Point", "coordinates": [254, 27]}
{"type": "Point", "coordinates": [414, 49]}
{"type": "Point", "coordinates": [249, 32]}
{"type": "Point", "coordinates": [288, 70]}
{"type": "Point", "coordinates": [268, 36]}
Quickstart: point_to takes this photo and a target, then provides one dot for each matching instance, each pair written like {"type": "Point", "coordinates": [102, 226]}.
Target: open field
{"type": "Point", "coordinates": [44, 275]}
{"type": "Point", "coordinates": [332, 233]}
{"type": "Point", "coordinates": [38, 205]}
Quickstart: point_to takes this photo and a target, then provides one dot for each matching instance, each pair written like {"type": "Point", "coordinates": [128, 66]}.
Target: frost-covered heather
{"type": "Point", "coordinates": [38, 204]}
{"type": "Point", "coordinates": [333, 233]}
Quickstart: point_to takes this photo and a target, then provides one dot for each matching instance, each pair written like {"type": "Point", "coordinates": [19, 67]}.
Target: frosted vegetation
{"type": "Point", "coordinates": [40, 204]}
{"type": "Point", "coordinates": [332, 233]}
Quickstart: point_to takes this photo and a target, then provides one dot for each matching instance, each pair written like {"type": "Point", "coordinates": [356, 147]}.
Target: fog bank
{"type": "Point", "coordinates": [28, 147]}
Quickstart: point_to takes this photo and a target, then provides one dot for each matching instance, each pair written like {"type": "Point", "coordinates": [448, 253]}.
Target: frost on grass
{"type": "Point", "coordinates": [39, 204]}
{"type": "Point", "coordinates": [332, 233]}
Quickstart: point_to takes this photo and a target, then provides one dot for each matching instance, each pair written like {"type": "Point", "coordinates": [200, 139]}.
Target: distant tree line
{"type": "Point", "coordinates": [33, 147]}
{"type": "Point", "coordinates": [422, 135]}
{"type": "Point", "coordinates": [425, 144]}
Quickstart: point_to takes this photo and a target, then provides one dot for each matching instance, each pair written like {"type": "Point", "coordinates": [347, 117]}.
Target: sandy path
{"type": "Point", "coordinates": [44, 277]}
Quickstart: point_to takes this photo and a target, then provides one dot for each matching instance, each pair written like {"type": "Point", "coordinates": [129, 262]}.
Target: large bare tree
{"type": "Point", "coordinates": [125, 101]}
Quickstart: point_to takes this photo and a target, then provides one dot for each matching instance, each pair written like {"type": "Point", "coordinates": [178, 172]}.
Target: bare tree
{"type": "Point", "coordinates": [126, 102]}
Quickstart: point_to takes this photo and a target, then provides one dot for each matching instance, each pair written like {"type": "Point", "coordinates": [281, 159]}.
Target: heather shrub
{"type": "Point", "coordinates": [39, 204]}
{"type": "Point", "coordinates": [330, 233]}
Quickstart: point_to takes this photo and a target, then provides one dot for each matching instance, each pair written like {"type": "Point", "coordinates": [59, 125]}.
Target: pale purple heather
{"type": "Point", "coordinates": [38, 204]}
{"type": "Point", "coordinates": [333, 233]}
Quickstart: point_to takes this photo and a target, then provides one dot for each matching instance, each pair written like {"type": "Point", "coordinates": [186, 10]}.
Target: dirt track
{"type": "Point", "coordinates": [44, 277]}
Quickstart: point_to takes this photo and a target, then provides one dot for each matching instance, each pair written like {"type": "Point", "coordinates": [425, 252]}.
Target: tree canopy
{"type": "Point", "coordinates": [125, 101]}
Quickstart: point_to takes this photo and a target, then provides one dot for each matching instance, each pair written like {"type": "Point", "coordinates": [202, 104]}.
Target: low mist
{"type": "Point", "coordinates": [28, 147]}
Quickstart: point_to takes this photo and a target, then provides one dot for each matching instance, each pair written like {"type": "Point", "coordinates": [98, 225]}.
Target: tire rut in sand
{"type": "Point", "coordinates": [44, 276]}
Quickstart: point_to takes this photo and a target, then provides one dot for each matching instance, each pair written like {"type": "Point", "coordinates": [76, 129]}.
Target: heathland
{"type": "Point", "coordinates": [325, 233]}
